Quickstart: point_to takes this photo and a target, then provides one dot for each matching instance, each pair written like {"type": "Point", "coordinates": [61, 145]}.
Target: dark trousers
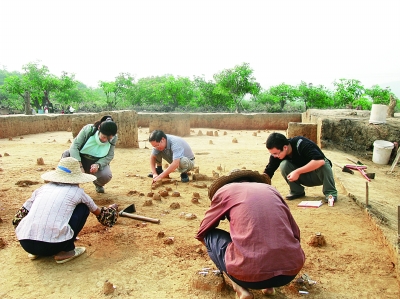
{"type": "Point", "coordinates": [217, 241]}
{"type": "Point", "coordinates": [76, 222]}
{"type": "Point", "coordinates": [322, 176]}
{"type": "Point", "coordinates": [103, 176]}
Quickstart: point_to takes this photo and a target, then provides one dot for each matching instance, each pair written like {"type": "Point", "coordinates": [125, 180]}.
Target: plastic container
{"type": "Point", "coordinates": [378, 114]}
{"type": "Point", "coordinates": [382, 151]}
{"type": "Point", "coordinates": [331, 201]}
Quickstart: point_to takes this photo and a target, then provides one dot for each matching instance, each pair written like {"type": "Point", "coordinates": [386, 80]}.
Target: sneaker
{"type": "Point", "coordinates": [327, 198]}
{"type": "Point", "coordinates": [184, 177]}
{"type": "Point", "coordinates": [99, 189]}
{"type": "Point", "coordinates": [32, 256]}
{"type": "Point", "coordinates": [77, 252]}
{"type": "Point", "coordinates": [294, 196]}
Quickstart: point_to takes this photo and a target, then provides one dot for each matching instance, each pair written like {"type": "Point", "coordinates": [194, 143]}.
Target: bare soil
{"type": "Point", "coordinates": [356, 259]}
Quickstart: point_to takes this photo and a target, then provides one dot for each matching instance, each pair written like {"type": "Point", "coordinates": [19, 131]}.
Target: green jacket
{"type": "Point", "coordinates": [80, 140]}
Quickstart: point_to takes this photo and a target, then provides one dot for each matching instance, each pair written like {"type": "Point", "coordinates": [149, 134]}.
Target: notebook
{"type": "Point", "coordinates": [310, 204]}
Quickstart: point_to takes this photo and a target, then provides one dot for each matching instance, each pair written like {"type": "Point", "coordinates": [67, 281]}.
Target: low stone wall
{"type": "Point", "coordinates": [307, 130]}
{"type": "Point", "coordinates": [228, 121]}
{"type": "Point", "coordinates": [350, 130]}
{"type": "Point", "coordinates": [344, 129]}
{"type": "Point", "coordinates": [17, 125]}
{"type": "Point", "coordinates": [126, 121]}
{"type": "Point", "coordinates": [174, 124]}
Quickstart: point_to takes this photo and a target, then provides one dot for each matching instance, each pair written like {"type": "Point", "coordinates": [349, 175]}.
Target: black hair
{"type": "Point", "coordinates": [104, 118]}
{"type": "Point", "coordinates": [276, 140]}
{"type": "Point", "coordinates": [157, 135]}
{"type": "Point", "coordinates": [108, 128]}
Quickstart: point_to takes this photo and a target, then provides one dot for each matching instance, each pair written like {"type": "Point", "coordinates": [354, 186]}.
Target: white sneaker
{"type": "Point", "coordinates": [77, 252]}
{"type": "Point", "coordinates": [32, 256]}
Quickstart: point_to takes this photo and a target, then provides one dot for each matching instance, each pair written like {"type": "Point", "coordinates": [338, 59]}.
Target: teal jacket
{"type": "Point", "coordinates": [80, 141]}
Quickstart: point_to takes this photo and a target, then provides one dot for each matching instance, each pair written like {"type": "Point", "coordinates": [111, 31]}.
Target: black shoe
{"type": "Point", "coordinates": [294, 196]}
{"type": "Point", "coordinates": [184, 177]}
{"type": "Point", "coordinates": [99, 189]}
{"type": "Point", "coordinates": [158, 170]}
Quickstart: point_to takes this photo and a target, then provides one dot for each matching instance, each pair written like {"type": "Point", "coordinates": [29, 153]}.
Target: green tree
{"type": "Point", "coordinates": [177, 91]}
{"type": "Point", "coordinates": [19, 85]}
{"type": "Point", "coordinates": [347, 91]}
{"type": "Point", "coordinates": [379, 95]}
{"type": "Point", "coordinates": [36, 84]}
{"type": "Point", "coordinates": [7, 99]}
{"type": "Point", "coordinates": [236, 83]}
{"type": "Point", "coordinates": [282, 94]}
{"type": "Point", "coordinates": [145, 91]}
{"type": "Point", "coordinates": [110, 90]}
{"type": "Point", "coordinates": [164, 93]}
{"type": "Point", "coordinates": [314, 96]}
{"type": "Point", "coordinates": [40, 81]}
{"type": "Point", "coordinates": [124, 88]}
{"type": "Point", "coordinates": [206, 97]}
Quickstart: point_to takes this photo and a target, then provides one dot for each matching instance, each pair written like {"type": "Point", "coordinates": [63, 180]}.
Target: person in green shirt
{"type": "Point", "coordinates": [94, 148]}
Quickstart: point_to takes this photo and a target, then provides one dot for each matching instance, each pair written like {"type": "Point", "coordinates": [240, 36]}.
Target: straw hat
{"type": "Point", "coordinates": [68, 171]}
{"type": "Point", "coordinates": [235, 176]}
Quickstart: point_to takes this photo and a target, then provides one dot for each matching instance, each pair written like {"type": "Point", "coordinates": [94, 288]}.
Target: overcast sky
{"type": "Point", "coordinates": [283, 41]}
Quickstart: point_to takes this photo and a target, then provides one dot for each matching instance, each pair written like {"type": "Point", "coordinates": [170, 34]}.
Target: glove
{"type": "Point", "coordinates": [108, 216]}
{"type": "Point", "coordinates": [21, 213]}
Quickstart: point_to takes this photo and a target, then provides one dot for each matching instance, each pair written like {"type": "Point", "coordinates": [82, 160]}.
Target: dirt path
{"type": "Point", "coordinates": [136, 258]}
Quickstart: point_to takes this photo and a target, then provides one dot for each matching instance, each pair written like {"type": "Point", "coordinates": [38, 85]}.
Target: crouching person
{"type": "Point", "coordinates": [49, 221]}
{"type": "Point", "coordinates": [262, 250]}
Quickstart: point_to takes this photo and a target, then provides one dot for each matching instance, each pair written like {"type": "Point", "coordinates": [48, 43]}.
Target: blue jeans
{"type": "Point", "coordinates": [217, 241]}
{"type": "Point", "coordinates": [103, 176]}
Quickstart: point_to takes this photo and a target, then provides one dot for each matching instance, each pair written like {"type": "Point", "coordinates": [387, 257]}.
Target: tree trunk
{"type": "Point", "coordinates": [45, 99]}
{"type": "Point", "coordinates": [237, 104]}
{"type": "Point", "coordinates": [27, 99]}
{"type": "Point", "coordinates": [392, 105]}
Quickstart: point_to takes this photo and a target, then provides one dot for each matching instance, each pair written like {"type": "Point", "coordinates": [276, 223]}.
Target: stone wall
{"type": "Point", "coordinates": [174, 124]}
{"type": "Point", "coordinates": [126, 121]}
{"type": "Point", "coordinates": [17, 125]}
{"type": "Point", "coordinates": [307, 130]}
{"type": "Point", "coordinates": [344, 129]}
{"type": "Point", "coordinates": [228, 121]}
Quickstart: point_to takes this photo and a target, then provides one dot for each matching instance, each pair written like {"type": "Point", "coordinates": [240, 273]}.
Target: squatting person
{"type": "Point", "coordinates": [262, 249]}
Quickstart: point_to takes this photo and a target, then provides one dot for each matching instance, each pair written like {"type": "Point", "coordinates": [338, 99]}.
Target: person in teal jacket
{"type": "Point", "coordinates": [94, 148]}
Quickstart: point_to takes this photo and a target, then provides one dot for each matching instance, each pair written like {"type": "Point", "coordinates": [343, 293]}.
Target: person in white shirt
{"type": "Point", "coordinates": [49, 221]}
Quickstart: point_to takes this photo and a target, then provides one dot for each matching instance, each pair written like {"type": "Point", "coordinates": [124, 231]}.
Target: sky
{"type": "Point", "coordinates": [286, 41]}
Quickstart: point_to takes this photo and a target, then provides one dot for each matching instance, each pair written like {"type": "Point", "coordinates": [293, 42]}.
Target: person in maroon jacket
{"type": "Point", "coordinates": [262, 250]}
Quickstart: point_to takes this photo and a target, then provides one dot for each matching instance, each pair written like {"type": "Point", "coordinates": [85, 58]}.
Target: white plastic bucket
{"type": "Point", "coordinates": [378, 114]}
{"type": "Point", "coordinates": [382, 151]}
